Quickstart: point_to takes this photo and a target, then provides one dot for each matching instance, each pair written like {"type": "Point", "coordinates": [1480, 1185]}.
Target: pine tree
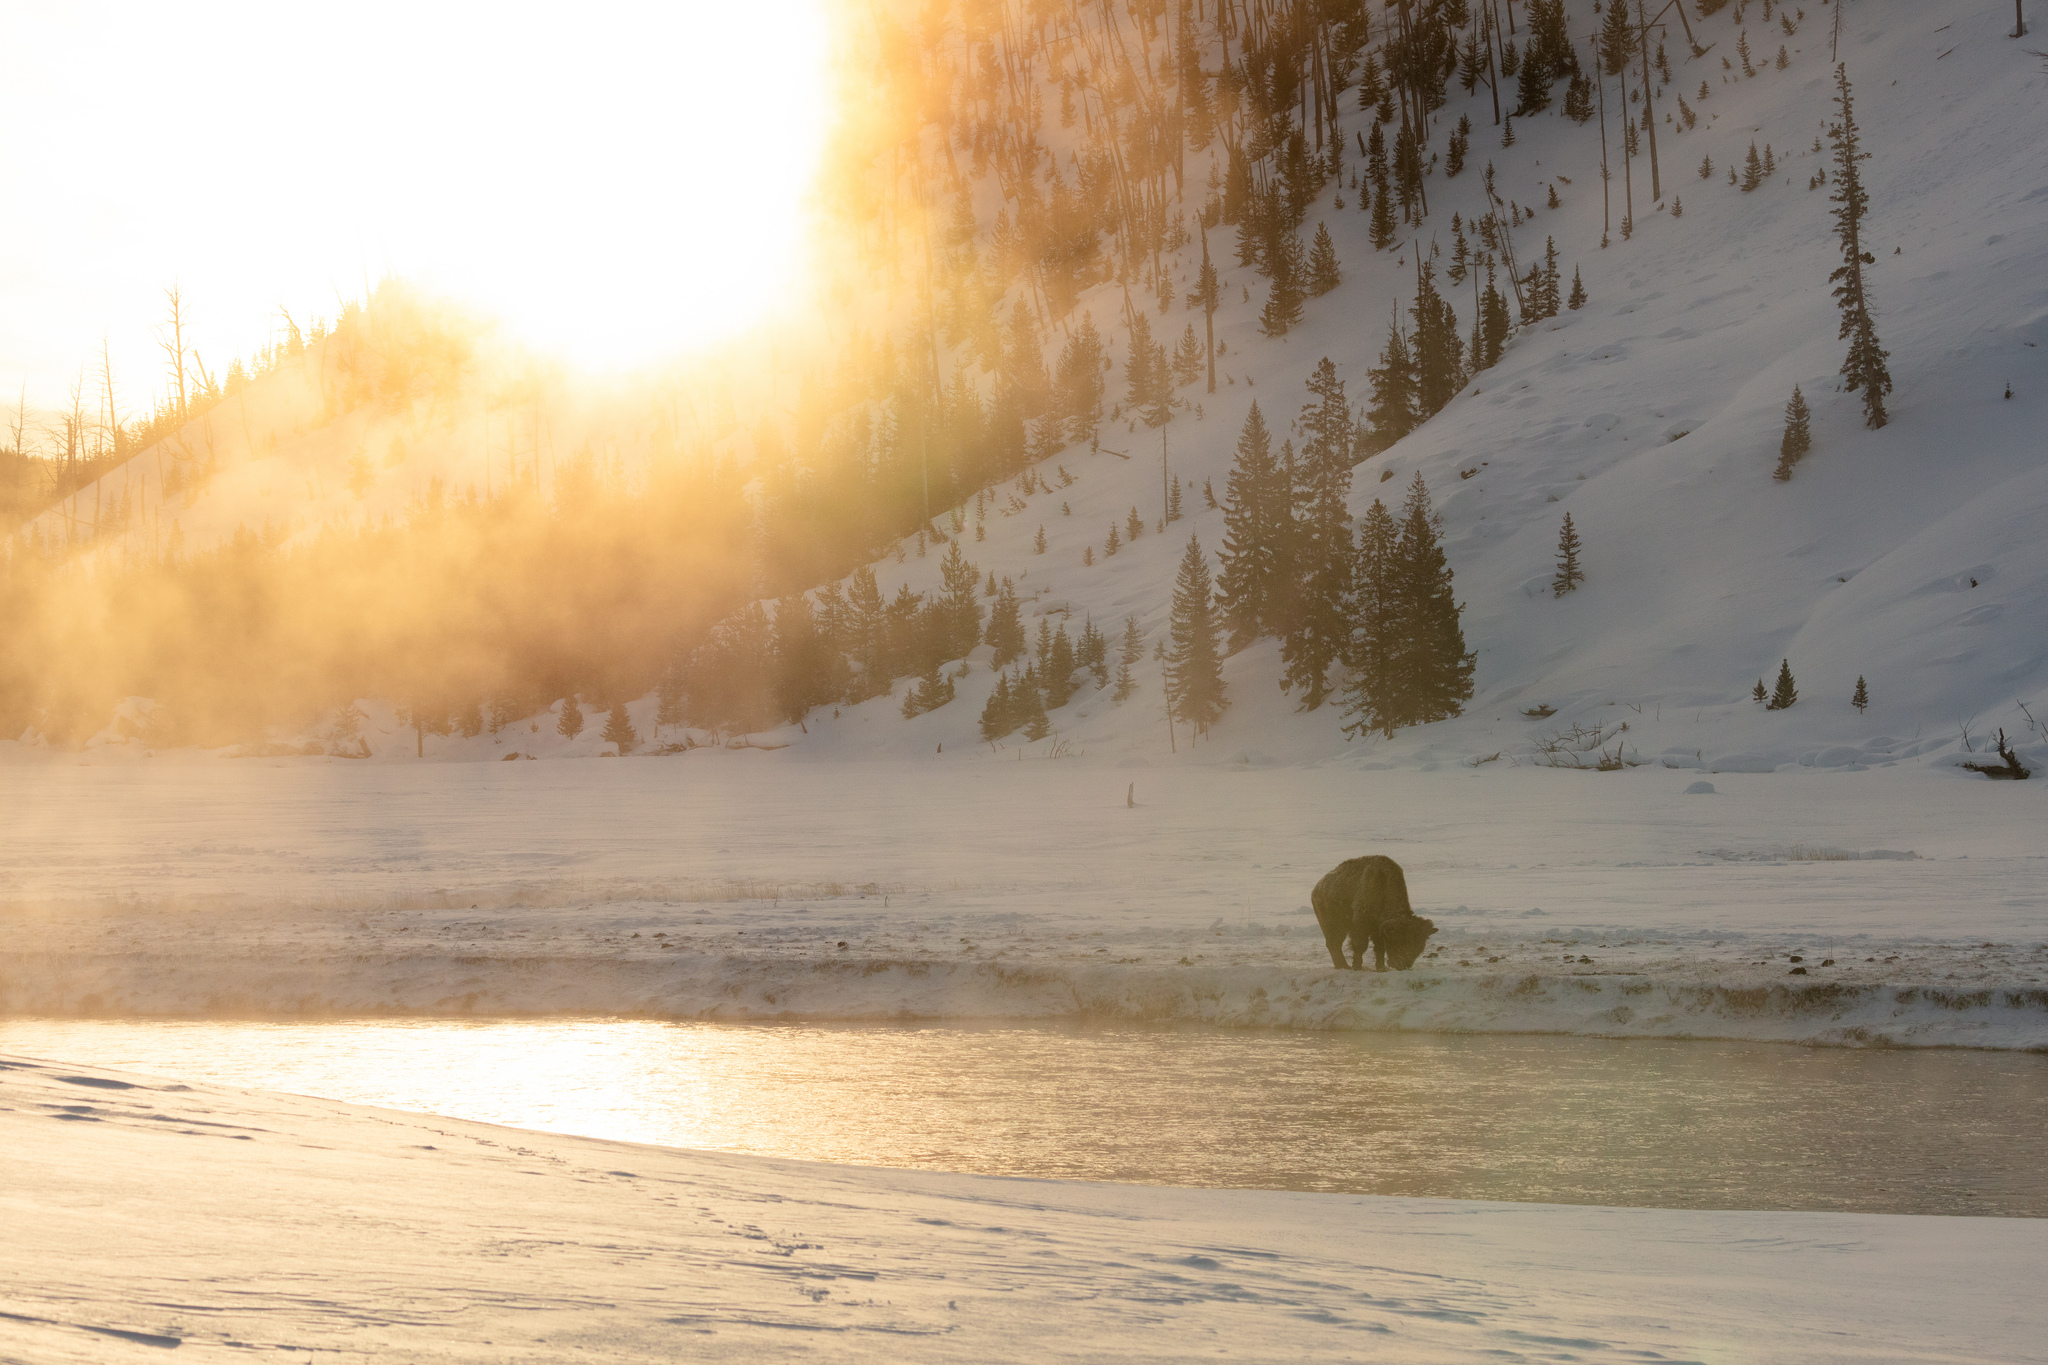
{"type": "Point", "coordinates": [1134, 525]}
{"type": "Point", "coordinates": [1148, 374]}
{"type": "Point", "coordinates": [809, 670]}
{"type": "Point", "coordinates": [1038, 541]}
{"type": "Point", "coordinates": [1173, 512]}
{"type": "Point", "coordinates": [932, 690]}
{"type": "Point", "coordinates": [1194, 661]}
{"type": "Point", "coordinates": [1706, 168]}
{"type": "Point", "coordinates": [1569, 574]}
{"type": "Point", "coordinates": [1005, 629]}
{"type": "Point", "coordinates": [1461, 253]}
{"type": "Point", "coordinates": [1370, 699]}
{"type": "Point", "coordinates": [866, 636]}
{"type": "Point", "coordinates": [1785, 693]}
{"type": "Point", "coordinates": [998, 713]}
{"type": "Point", "coordinates": [1114, 542]}
{"type": "Point", "coordinates": [1383, 228]}
{"type": "Point", "coordinates": [1578, 100]}
{"type": "Point", "coordinates": [1861, 701]}
{"type": "Point", "coordinates": [1206, 296]}
{"type": "Point", "coordinates": [1408, 173]}
{"type": "Point", "coordinates": [1056, 675]}
{"type": "Point", "coordinates": [1283, 301]}
{"type": "Point", "coordinates": [1493, 326]}
{"type": "Point", "coordinates": [1093, 652]}
{"type": "Point", "coordinates": [1757, 694]}
{"type": "Point", "coordinates": [1256, 526]}
{"type": "Point", "coordinates": [1548, 300]}
{"type": "Point", "coordinates": [1864, 368]}
{"type": "Point", "coordinates": [1132, 650]}
{"type": "Point", "coordinates": [1578, 298]}
{"type": "Point", "coordinates": [1460, 146]}
{"type": "Point", "coordinates": [960, 608]}
{"type": "Point", "coordinates": [1532, 91]}
{"type": "Point", "coordinates": [1617, 38]}
{"type": "Point", "coordinates": [1392, 414]}
{"type": "Point", "coordinates": [618, 729]}
{"type": "Point", "coordinates": [1439, 352]}
{"type": "Point", "coordinates": [1187, 357]}
{"type": "Point", "coordinates": [1079, 381]}
{"type": "Point", "coordinates": [1752, 169]}
{"type": "Point", "coordinates": [570, 723]}
{"type": "Point", "coordinates": [1315, 636]}
{"type": "Point", "coordinates": [1798, 437]}
{"type": "Point", "coordinates": [1432, 669]}
{"type": "Point", "coordinates": [1323, 275]}
{"type": "Point", "coordinates": [1027, 706]}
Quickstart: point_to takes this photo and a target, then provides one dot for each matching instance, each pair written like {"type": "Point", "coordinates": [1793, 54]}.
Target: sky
{"type": "Point", "coordinates": [563, 168]}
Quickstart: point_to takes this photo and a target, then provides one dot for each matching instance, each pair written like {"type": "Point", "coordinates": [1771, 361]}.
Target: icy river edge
{"type": "Point", "coordinates": [847, 989]}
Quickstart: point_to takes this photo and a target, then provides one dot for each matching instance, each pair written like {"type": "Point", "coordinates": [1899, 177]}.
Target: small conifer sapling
{"type": "Point", "coordinates": [1758, 694]}
{"type": "Point", "coordinates": [1798, 437]}
{"type": "Point", "coordinates": [1785, 693]}
{"type": "Point", "coordinates": [1861, 700]}
{"type": "Point", "coordinates": [1569, 574]}
{"type": "Point", "coordinates": [570, 724]}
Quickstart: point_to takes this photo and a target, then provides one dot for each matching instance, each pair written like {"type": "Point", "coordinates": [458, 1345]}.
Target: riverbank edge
{"type": "Point", "coordinates": [852, 990]}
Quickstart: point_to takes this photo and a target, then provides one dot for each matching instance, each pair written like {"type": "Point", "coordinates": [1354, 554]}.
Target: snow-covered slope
{"type": "Point", "coordinates": [1911, 556]}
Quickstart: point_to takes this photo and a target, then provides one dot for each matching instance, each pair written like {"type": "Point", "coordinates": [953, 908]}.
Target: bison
{"type": "Point", "coordinates": [1366, 900]}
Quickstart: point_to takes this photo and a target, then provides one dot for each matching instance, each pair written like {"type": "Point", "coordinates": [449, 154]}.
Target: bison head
{"type": "Point", "coordinates": [1405, 940]}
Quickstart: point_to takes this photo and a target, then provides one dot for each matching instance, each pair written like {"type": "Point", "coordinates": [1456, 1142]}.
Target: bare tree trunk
{"type": "Point", "coordinates": [1650, 106]}
{"type": "Point", "coordinates": [175, 347]}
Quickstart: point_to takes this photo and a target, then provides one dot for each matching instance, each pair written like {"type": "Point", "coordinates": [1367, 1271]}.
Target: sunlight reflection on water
{"type": "Point", "coordinates": [1552, 1119]}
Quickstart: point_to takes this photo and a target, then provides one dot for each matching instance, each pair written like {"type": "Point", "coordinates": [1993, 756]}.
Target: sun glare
{"type": "Point", "coordinates": [616, 183]}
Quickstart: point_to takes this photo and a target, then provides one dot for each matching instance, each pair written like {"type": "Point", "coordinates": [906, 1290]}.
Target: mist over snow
{"type": "Point", "coordinates": [1912, 556]}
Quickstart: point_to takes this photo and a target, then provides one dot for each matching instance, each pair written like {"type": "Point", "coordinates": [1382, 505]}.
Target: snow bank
{"type": "Point", "coordinates": [145, 1215]}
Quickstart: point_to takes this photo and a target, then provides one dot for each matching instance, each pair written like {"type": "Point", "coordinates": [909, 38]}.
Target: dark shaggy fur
{"type": "Point", "coordinates": [1366, 900]}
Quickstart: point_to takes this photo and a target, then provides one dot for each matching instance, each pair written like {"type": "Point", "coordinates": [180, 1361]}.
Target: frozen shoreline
{"type": "Point", "coordinates": [851, 990]}
{"type": "Point", "coordinates": [146, 1214]}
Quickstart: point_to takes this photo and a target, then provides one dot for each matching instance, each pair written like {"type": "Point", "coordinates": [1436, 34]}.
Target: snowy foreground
{"type": "Point", "coordinates": [755, 885]}
{"type": "Point", "coordinates": [145, 1214]}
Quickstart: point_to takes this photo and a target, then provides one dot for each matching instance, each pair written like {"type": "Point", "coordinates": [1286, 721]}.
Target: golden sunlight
{"type": "Point", "coordinates": [616, 183]}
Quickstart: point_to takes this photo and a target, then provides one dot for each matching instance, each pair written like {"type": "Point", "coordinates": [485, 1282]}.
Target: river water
{"type": "Point", "coordinates": [1515, 1117]}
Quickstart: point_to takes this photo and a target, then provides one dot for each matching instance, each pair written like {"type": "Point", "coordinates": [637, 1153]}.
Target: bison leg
{"type": "Point", "coordinates": [1379, 956]}
{"type": "Point", "coordinates": [1336, 947]}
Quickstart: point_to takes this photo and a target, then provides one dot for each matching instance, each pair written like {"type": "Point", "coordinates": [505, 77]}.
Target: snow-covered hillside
{"type": "Point", "coordinates": [1911, 556]}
